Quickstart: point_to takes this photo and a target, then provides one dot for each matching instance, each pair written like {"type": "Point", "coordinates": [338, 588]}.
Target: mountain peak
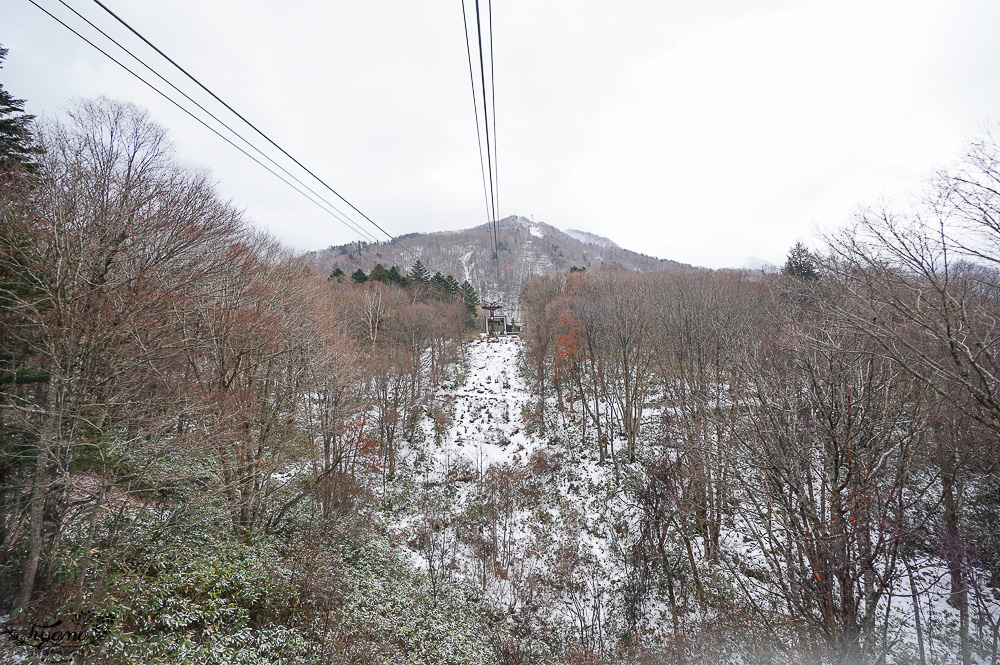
{"type": "Point", "coordinates": [525, 248]}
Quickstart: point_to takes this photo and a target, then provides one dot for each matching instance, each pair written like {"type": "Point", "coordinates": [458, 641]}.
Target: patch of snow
{"type": "Point", "coordinates": [535, 231]}
{"type": "Point", "coordinates": [486, 426]}
{"type": "Point", "coordinates": [289, 472]}
{"type": "Point", "coordinates": [465, 265]}
{"type": "Point", "coordinates": [590, 238]}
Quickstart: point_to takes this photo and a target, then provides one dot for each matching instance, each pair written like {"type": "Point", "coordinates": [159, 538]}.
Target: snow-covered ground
{"type": "Point", "coordinates": [477, 452]}
{"type": "Point", "coordinates": [486, 410]}
{"type": "Point", "coordinates": [561, 524]}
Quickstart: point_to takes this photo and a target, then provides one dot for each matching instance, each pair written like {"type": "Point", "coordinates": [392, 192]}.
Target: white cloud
{"type": "Point", "coordinates": [703, 132]}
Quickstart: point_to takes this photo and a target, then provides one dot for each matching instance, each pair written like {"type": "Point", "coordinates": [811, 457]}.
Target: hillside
{"type": "Point", "coordinates": [526, 248]}
{"type": "Point", "coordinates": [211, 453]}
{"type": "Point", "coordinates": [540, 527]}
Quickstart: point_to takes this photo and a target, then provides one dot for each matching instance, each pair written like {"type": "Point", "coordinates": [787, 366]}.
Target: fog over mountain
{"type": "Point", "coordinates": [526, 248]}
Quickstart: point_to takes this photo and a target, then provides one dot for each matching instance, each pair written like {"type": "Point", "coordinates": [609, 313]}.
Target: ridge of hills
{"type": "Point", "coordinates": [526, 248]}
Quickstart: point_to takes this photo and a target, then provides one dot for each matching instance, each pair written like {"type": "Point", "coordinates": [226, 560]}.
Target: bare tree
{"type": "Point", "coordinates": [111, 235]}
{"type": "Point", "coordinates": [829, 441]}
{"type": "Point", "coordinates": [924, 288]}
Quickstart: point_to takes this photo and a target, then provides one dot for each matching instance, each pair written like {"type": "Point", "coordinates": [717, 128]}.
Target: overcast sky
{"type": "Point", "coordinates": [705, 132]}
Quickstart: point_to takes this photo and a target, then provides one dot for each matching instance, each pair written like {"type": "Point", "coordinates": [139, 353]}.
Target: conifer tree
{"type": "Point", "coordinates": [379, 274]}
{"type": "Point", "coordinates": [396, 278]}
{"type": "Point", "coordinates": [439, 282]}
{"type": "Point", "coordinates": [359, 276]}
{"type": "Point", "coordinates": [17, 146]}
{"type": "Point", "coordinates": [469, 297]}
{"type": "Point", "coordinates": [800, 263]}
{"type": "Point", "coordinates": [419, 274]}
{"type": "Point", "coordinates": [469, 293]}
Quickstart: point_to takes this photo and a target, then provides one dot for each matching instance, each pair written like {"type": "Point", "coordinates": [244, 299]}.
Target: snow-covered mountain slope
{"type": "Point", "coordinates": [484, 489]}
{"type": "Point", "coordinates": [524, 513]}
{"type": "Point", "coordinates": [486, 410]}
{"type": "Point", "coordinates": [591, 238]}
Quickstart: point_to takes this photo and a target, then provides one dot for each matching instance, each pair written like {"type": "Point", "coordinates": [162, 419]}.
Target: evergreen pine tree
{"type": "Point", "coordinates": [419, 274]}
{"type": "Point", "coordinates": [336, 274]}
{"type": "Point", "coordinates": [452, 283]}
{"type": "Point", "coordinates": [801, 263]}
{"type": "Point", "coordinates": [17, 146]}
{"type": "Point", "coordinates": [396, 278]}
{"type": "Point", "coordinates": [17, 284]}
{"type": "Point", "coordinates": [359, 276]}
{"type": "Point", "coordinates": [440, 284]}
{"type": "Point", "coordinates": [469, 297]}
{"type": "Point", "coordinates": [379, 274]}
{"type": "Point", "coordinates": [469, 293]}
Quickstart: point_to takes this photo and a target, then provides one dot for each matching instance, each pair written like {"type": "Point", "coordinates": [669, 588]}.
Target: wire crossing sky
{"type": "Point", "coordinates": [326, 205]}
{"type": "Point", "coordinates": [301, 189]}
{"type": "Point", "coordinates": [488, 97]}
{"type": "Point", "coordinates": [238, 115]}
{"type": "Point", "coordinates": [701, 132]}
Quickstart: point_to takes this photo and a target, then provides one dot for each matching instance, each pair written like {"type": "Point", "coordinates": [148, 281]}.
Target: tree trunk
{"type": "Point", "coordinates": [954, 552]}
{"type": "Point", "coordinates": [39, 493]}
{"type": "Point", "coordinates": [916, 614]}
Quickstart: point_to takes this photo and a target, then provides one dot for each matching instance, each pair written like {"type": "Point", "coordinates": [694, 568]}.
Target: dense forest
{"type": "Point", "coordinates": [211, 453]}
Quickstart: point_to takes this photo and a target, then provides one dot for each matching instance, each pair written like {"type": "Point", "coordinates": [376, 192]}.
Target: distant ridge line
{"type": "Point", "coordinates": [526, 248]}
